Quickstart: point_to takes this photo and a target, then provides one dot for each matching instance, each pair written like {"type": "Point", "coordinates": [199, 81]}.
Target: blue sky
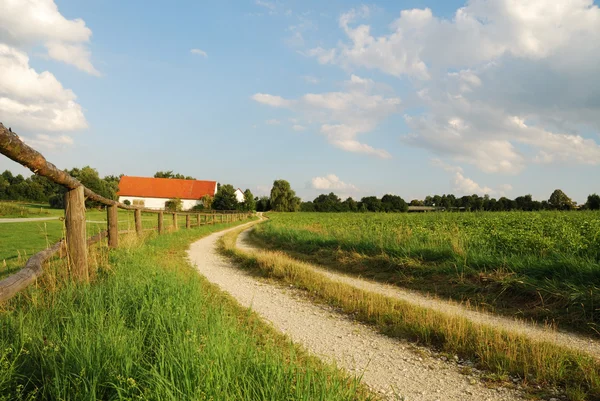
{"type": "Point", "coordinates": [411, 98]}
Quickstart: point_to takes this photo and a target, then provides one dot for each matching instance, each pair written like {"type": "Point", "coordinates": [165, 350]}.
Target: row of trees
{"type": "Point", "coordinates": [282, 198]}
{"type": "Point", "coordinates": [332, 203]}
{"type": "Point", "coordinates": [40, 189]}
{"type": "Point", "coordinates": [392, 203]}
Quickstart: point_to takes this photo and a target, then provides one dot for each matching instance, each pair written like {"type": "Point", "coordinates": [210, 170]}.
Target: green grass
{"type": "Point", "coordinates": [18, 241]}
{"type": "Point", "coordinates": [27, 209]}
{"type": "Point", "coordinates": [151, 328]}
{"type": "Point", "coordinates": [544, 266]}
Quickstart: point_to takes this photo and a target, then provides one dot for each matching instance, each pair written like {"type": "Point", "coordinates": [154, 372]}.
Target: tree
{"type": "Point", "coordinates": [351, 204]}
{"type": "Point", "coordinates": [174, 205]}
{"type": "Point", "coordinates": [263, 204]}
{"type": "Point", "coordinates": [393, 203]}
{"type": "Point", "coordinates": [170, 174]}
{"type": "Point", "coordinates": [206, 202]}
{"type": "Point", "coordinates": [249, 204]}
{"type": "Point", "coordinates": [307, 207]}
{"type": "Point", "coordinates": [524, 202]}
{"type": "Point", "coordinates": [371, 204]}
{"type": "Point", "coordinates": [225, 198]}
{"type": "Point", "coordinates": [560, 201]}
{"type": "Point", "coordinates": [283, 198]}
{"type": "Point", "coordinates": [593, 202]}
{"type": "Point", "coordinates": [89, 177]}
{"type": "Point", "coordinates": [327, 203]}
{"type": "Point", "coordinates": [416, 202]}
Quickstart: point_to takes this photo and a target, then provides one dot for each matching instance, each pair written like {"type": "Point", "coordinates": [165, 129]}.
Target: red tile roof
{"type": "Point", "coordinates": [146, 187]}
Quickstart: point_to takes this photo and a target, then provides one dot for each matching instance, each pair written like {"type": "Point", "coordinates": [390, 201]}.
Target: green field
{"type": "Point", "coordinates": [150, 327]}
{"type": "Point", "coordinates": [18, 241]}
{"type": "Point", "coordinates": [539, 265]}
{"type": "Point", "coordinates": [25, 209]}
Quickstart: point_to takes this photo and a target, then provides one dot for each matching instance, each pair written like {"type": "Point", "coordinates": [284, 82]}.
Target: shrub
{"type": "Point", "coordinates": [174, 205]}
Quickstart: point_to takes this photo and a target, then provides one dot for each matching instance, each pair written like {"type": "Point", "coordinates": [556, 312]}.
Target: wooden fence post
{"type": "Point", "coordinates": [160, 222]}
{"type": "Point", "coordinates": [113, 226]}
{"type": "Point", "coordinates": [138, 221]}
{"type": "Point", "coordinates": [188, 224]}
{"type": "Point", "coordinates": [198, 218]}
{"type": "Point", "coordinates": [175, 227]}
{"type": "Point", "coordinates": [76, 234]}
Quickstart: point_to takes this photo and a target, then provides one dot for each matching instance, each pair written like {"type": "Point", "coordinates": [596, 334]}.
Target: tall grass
{"type": "Point", "coordinates": [544, 266]}
{"type": "Point", "coordinates": [494, 350]}
{"type": "Point", "coordinates": [151, 328]}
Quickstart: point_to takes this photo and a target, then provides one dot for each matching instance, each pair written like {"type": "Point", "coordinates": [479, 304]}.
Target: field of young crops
{"type": "Point", "coordinates": [542, 265]}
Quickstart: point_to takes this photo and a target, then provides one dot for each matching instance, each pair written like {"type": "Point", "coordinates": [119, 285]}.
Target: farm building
{"type": "Point", "coordinates": [239, 194]}
{"type": "Point", "coordinates": [152, 193]}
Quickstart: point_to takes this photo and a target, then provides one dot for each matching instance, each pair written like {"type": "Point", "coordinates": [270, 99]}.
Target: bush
{"type": "Point", "coordinates": [174, 205]}
{"type": "Point", "coordinates": [127, 202]}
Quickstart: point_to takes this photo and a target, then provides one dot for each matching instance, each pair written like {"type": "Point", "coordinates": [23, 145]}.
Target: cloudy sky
{"type": "Point", "coordinates": [407, 97]}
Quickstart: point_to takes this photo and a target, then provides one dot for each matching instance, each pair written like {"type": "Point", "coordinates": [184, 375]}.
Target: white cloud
{"type": "Point", "coordinates": [48, 142]}
{"type": "Point", "coordinates": [199, 52]}
{"type": "Point", "coordinates": [310, 79]}
{"type": "Point", "coordinates": [76, 55]}
{"type": "Point", "coordinates": [503, 84]}
{"type": "Point", "coordinates": [266, 4]}
{"type": "Point", "coordinates": [273, 122]}
{"type": "Point", "coordinates": [32, 22]}
{"type": "Point", "coordinates": [32, 101]}
{"type": "Point", "coordinates": [343, 115]}
{"type": "Point", "coordinates": [298, 127]}
{"type": "Point", "coordinates": [331, 182]}
{"type": "Point", "coordinates": [296, 40]}
{"type": "Point", "coordinates": [466, 186]}
{"type": "Point", "coordinates": [274, 101]}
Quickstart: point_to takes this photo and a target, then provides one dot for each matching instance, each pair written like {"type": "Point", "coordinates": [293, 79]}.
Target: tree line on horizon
{"type": "Point", "coordinates": [282, 197]}
{"type": "Point", "coordinates": [558, 200]}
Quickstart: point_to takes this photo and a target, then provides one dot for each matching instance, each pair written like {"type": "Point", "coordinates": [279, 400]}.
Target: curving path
{"type": "Point", "coordinates": [390, 367]}
{"type": "Point", "coordinates": [533, 330]}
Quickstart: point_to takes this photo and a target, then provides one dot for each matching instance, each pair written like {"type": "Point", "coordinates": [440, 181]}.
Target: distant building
{"type": "Point", "coordinates": [152, 193]}
{"type": "Point", "coordinates": [239, 194]}
{"type": "Point", "coordinates": [423, 209]}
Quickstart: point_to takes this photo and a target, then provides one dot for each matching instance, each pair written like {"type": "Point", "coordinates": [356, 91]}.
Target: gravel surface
{"type": "Point", "coordinates": [536, 331]}
{"type": "Point", "coordinates": [27, 219]}
{"type": "Point", "coordinates": [395, 369]}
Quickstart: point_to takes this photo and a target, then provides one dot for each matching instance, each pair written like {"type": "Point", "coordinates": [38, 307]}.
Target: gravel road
{"type": "Point", "coordinates": [536, 331]}
{"type": "Point", "coordinates": [27, 219]}
{"type": "Point", "coordinates": [395, 369]}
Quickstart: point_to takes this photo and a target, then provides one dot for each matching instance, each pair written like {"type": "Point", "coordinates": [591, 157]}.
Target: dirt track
{"type": "Point", "coordinates": [392, 368]}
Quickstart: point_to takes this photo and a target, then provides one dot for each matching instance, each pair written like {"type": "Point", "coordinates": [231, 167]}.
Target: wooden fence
{"type": "Point", "coordinates": [75, 244]}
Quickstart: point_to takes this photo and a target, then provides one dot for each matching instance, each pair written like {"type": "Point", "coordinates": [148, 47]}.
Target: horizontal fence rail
{"type": "Point", "coordinates": [74, 245]}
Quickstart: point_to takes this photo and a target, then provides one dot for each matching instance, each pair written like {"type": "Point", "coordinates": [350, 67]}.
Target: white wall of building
{"type": "Point", "coordinates": [239, 195]}
{"type": "Point", "coordinates": [159, 203]}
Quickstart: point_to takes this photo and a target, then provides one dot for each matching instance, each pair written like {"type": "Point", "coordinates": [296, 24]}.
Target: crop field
{"type": "Point", "coordinates": [543, 266]}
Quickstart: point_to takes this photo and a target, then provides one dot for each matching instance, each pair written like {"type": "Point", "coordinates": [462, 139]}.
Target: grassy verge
{"type": "Point", "coordinates": [150, 327]}
{"type": "Point", "coordinates": [19, 241]}
{"type": "Point", "coordinates": [539, 266]}
{"type": "Point", "coordinates": [494, 350]}
{"type": "Point", "coordinates": [27, 209]}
